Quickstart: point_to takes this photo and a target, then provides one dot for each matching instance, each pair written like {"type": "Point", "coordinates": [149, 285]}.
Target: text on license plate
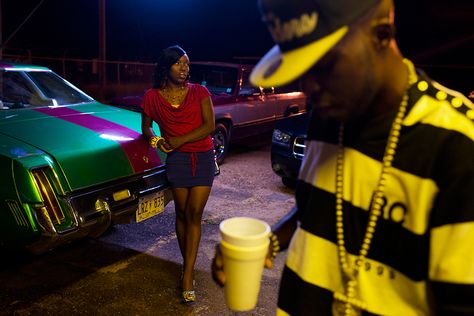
{"type": "Point", "coordinates": [150, 205]}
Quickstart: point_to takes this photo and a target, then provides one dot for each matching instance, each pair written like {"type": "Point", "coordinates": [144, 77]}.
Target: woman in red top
{"type": "Point", "coordinates": [185, 115]}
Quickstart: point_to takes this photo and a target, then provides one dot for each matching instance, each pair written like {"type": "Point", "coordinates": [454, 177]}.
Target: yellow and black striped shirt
{"type": "Point", "coordinates": [422, 255]}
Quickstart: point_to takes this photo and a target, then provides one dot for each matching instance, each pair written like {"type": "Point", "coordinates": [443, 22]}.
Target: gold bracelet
{"type": "Point", "coordinates": [275, 245]}
{"type": "Point", "coordinates": [154, 141]}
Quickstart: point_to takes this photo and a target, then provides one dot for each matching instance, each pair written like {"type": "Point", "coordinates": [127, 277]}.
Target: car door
{"type": "Point", "coordinates": [284, 101]}
{"type": "Point", "coordinates": [252, 115]}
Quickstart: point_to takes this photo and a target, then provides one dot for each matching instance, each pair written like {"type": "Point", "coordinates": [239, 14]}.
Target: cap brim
{"type": "Point", "coordinates": [277, 68]}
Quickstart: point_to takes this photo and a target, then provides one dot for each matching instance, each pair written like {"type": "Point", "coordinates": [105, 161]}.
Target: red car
{"type": "Point", "coordinates": [241, 110]}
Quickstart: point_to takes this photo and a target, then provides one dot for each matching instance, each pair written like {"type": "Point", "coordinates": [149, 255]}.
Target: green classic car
{"type": "Point", "coordinates": [70, 167]}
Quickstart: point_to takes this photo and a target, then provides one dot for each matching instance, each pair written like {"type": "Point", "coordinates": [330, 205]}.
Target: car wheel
{"type": "Point", "coordinates": [220, 138]}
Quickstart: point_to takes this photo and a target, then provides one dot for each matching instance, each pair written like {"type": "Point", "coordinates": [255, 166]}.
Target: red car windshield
{"type": "Point", "coordinates": [217, 79]}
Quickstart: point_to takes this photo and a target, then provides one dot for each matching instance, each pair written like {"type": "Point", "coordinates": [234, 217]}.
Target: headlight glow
{"type": "Point", "coordinates": [281, 138]}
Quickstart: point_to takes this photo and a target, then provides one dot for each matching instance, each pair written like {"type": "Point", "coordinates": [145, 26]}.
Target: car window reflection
{"type": "Point", "coordinates": [22, 89]}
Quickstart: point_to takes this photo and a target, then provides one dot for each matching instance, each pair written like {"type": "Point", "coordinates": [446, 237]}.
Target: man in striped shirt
{"type": "Point", "coordinates": [384, 223]}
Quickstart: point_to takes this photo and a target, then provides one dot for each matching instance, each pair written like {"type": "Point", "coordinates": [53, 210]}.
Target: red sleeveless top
{"type": "Point", "coordinates": [178, 121]}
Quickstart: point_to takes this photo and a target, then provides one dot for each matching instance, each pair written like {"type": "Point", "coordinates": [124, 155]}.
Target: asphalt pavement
{"type": "Point", "coordinates": [134, 268]}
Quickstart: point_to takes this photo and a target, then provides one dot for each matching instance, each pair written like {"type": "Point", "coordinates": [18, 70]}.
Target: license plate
{"type": "Point", "coordinates": [150, 205]}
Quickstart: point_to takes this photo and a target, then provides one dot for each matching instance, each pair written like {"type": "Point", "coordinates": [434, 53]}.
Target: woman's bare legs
{"type": "Point", "coordinates": [189, 205]}
{"type": "Point", "coordinates": [180, 196]}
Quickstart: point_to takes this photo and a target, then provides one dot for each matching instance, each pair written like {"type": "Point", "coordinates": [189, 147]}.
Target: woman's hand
{"type": "Point", "coordinates": [175, 142]}
{"type": "Point", "coordinates": [164, 146]}
{"type": "Point", "coordinates": [160, 143]}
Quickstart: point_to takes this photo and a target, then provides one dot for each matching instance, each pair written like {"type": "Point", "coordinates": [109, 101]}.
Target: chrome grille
{"type": "Point", "coordinates": [298, 147]}
{"type": "Point", "coordinates": [46, 187]}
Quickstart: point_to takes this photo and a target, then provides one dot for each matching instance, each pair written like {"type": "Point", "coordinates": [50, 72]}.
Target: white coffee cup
{"type": "Point", "coordinates": [243, 267]}
{"type": "Point", "coordinates": [244, 231]}
{"type": "Point", "coordinates": [244, 246]}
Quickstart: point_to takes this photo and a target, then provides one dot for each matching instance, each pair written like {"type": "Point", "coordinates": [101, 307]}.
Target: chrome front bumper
{"type": "Point", "coordinates": [95, 209]}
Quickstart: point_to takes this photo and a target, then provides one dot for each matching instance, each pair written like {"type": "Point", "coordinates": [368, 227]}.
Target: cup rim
{"type": "Point", "coordinates": [257, 236]}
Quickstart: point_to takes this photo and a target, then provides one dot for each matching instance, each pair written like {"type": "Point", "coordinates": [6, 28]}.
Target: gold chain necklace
{"type": "Point", "coordinates": [346, 303]}
{"type": "Point", "coordinates": [174, 98]}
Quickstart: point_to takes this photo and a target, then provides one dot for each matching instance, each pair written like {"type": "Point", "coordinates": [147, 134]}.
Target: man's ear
{"type": "Point", "coordinates": [383, 34]}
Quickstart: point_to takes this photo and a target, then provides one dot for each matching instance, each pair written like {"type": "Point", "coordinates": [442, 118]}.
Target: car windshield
{"type": "Point", "coordinates": [26, 89]}
{"type": "Point", "coordinates": [217, 79]}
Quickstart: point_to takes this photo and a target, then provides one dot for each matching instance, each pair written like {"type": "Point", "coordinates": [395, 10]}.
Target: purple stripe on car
{"type": "Point", "coordinates": [141, 156]}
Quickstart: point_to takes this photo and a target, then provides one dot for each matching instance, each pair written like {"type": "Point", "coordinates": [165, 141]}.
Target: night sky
{"type": "Point", "coordinates": [138, 29]}
{"type": "Point", "coordinates": [432, 32]}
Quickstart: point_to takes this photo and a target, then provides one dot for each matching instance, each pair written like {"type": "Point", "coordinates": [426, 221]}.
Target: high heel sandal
{"type": "Point", "coordinates": [189, 296]}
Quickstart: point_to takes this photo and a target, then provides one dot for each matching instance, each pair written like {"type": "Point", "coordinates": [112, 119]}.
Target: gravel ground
{"type": "Point", "coordinates": [246, 187]}
{"type": "Point", "coordinates": [133, 269]}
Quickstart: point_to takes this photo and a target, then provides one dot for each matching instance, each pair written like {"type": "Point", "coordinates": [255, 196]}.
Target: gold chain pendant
{"type": "Point", "coordinates": [345, 303]}
{"type": "Point", "coordinates": [175, 99]}
{"type": "Point", "coordinates": [340, 308]}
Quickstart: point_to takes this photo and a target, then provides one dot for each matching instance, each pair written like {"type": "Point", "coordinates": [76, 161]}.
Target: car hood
{"type": "Point", "coordinates": [295, 125]}
{"type": "Point", "coordinates": [92, 143]}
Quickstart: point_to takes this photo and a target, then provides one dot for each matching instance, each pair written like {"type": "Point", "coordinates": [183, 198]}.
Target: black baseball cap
{"type": "Point", "coordinates": [304, 31]}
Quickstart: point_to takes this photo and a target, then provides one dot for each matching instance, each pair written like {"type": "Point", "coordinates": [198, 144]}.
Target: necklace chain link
{"type": "Point", "coordinates": [346, 303]}
{"type": "Point", "coordinates": [174, 98]}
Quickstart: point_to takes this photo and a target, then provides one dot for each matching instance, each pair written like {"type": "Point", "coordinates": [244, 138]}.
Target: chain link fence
{"type": "Point", "coordinates": [120, 78]}
{"type": "Point", "coordinates": [129, 78]}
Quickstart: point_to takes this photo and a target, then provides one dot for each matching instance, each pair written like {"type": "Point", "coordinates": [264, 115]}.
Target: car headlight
{"type": "Point", "coordinates": [281, 138]}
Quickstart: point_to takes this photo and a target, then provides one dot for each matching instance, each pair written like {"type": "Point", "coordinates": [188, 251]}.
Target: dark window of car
{"type": "Point", "coordinates": [219, 80]}
{"type": "Point", "coordinates": [20, 89]}
{"type": "Point", "coordinates": [247, 88]}
{"type": "Point", "coordinates": [289, 87]}
{"type": "Point", "coordinates": [15, 90]}
{"type": "Point", "coordinates": [54, 87]}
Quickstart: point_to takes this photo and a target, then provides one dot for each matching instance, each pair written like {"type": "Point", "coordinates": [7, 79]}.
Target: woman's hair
{"type": "Point", "coordinates": [166, 59]}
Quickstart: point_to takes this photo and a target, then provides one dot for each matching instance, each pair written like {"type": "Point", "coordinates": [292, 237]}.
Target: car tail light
{"type": "Point", "coordinates": [46, 186]}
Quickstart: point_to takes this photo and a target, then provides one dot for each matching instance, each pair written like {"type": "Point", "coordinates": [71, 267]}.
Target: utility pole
{"type": "Point", "coordinates": [102, 47]}
{"type": "Point", "coordinates": [1, 31]}
{"type": "Point", "coordinates": [4, 43]}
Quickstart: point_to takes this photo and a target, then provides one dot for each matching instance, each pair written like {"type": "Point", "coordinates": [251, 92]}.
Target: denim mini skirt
{"type": "Point", "coordinates": [185, 169]}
